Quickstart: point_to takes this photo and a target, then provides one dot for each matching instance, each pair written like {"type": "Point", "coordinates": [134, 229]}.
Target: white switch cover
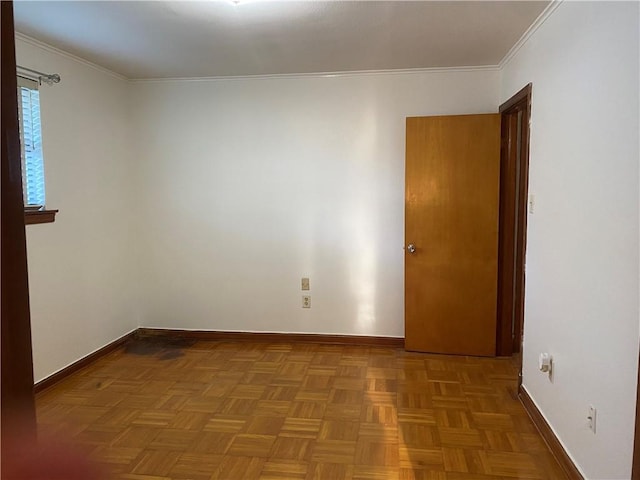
{"type": "Point", "coordinates": [305, 283]}
{"type": "Point", "coordinates": [532, 202]}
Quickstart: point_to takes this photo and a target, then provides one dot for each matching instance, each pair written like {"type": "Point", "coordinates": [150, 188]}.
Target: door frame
{"type": "Point", "coordinates": [17, 400]}
{"type": "Point", "coordinates": [635, 464]}
{"type": "Point", "coordinates": [513, 229]}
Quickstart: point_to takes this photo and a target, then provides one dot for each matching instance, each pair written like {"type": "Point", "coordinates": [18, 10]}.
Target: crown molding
{"type": "Point", "coordinates": [543, 17]}
{"type": "Point", "coordinates": [479, 68]}
{"type": "Point", "coordinates": [546, 13]}
{"type": "Point", "coordinates": [49, 48]}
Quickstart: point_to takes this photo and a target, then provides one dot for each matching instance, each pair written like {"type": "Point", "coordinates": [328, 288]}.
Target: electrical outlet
{"type": "Point", "coordinates": [305, 284]}
{"type": "Point", "coordinates": [306, 301]}
{"type": "Point", "coordinates": [591, 418]}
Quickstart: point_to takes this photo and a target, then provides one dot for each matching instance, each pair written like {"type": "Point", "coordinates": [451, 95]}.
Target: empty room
{"type": "Point", "coordinates": [259, 239]}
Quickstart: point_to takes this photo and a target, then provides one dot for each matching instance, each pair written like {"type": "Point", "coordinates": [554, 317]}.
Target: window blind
{"type": "Point", "coordinates": [31, 142]}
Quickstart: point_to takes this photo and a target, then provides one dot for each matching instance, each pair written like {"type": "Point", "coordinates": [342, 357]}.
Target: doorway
{"type": "Point", "coordinates": [452, 245]}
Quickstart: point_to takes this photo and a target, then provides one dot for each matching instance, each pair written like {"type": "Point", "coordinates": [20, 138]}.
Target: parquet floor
{"type": "Point", "coordinates": [225, 410]}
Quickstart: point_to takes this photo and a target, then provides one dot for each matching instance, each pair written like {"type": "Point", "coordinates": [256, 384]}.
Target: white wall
{"type": "Point", "coordinates": [81, 267]}
{"type": "Point", "coordinates": [582, 252]}
{"type": "Point", "coordinates": [247, 185]}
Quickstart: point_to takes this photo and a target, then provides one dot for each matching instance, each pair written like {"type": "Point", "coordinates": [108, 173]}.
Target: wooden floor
{"type": "Point", "coordinates": [225, 410]}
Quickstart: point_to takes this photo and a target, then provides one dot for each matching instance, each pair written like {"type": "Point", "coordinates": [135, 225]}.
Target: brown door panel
{"type": "Point", "coordinates": [451, 216]}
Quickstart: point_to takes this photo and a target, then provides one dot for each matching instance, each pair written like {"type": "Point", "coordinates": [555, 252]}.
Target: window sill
{"type": "Point", "coordinates": [32, 217]}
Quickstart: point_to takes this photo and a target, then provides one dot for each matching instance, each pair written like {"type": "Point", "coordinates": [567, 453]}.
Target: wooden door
{"type": "Point", "coordinates": [451, 219]}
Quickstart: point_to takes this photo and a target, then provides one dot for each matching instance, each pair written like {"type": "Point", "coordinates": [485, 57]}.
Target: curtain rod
{"type": "Point", "coordinates": [48, 78]}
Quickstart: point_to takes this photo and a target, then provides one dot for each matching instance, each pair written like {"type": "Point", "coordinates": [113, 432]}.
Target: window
{"type": "Point", "coordinates": [31, 151]}
{"type": "Point", "coordinates": [31, 142]}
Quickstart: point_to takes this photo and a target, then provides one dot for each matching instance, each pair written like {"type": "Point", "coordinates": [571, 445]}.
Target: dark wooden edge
{"type": "Point", "coordinates": [635, 469]}
{"type": "Point", "coordinates": [520, 101]}
{"type": "Point", "coordinates": [17, 407]}
{"type": "Point", "coordinates": [521, 247]}
{"type": "Point", "coordinates": [549, 437]}
{"type": "Point", "coordinates": [39, 216]}
{"type": "Point", "coordinates": [521, 95]}
{"type": "Point", "coordinates": [396, 342]}
{"type": "Point", "coordinates": [504, 330]}
{"type": "Point", "coordinates": [82, 363]}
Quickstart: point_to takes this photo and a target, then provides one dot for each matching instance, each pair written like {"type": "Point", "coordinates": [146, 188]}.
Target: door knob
{"type": "Point", "coordinates": [411, 248]}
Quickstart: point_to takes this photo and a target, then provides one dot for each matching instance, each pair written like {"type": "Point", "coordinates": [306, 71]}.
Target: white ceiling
{"type": "Point", "coordinates": [159, 39]}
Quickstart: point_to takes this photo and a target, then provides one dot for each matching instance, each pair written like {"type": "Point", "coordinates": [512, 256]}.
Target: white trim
{"type": "Point", "coordinates": [546, 13]}
{"type": "Point", "coordinates": [482, 68]}
{"type": "Point", "coordinates": [70, 56]}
